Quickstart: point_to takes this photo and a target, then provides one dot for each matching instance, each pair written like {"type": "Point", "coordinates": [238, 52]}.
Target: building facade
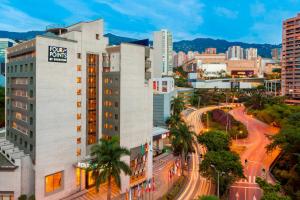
{"type": "Point", "coordinates": [60, 101]}
{"type": "Point", "coordinates": [235, 53]}
{"type": "Point", "coordinates": [290, 84]}
{"type": "Point", "coordinates": [4, 44]}
{"type": "Point", "coordinates": [251, 53]}
{"type": "Point", "coordinates": [163, 53]}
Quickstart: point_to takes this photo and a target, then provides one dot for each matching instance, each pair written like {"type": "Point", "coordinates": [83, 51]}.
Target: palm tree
{"type": "Point", "coordinates": [177, 105]}
{"type": "Point", "coordinates": [182, 139]}
{"type": "Point", "coordinates": [173, 120]}
{"type": "Point", "coordinates": [107, 164]}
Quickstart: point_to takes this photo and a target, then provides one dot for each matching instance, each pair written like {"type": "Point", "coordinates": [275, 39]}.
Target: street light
{"type": "Point", "coordinates": [218, 183]}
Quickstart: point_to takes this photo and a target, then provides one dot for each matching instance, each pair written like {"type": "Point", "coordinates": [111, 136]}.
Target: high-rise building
{"type": "Point", "coordinates": [182, 58]}
{"type": "Point", "coordinates": [66, 90]}
{"type": "Point", "coordinates": [190, 55]}
{"type": "Point", "coordinates": [235, 53]}
{"type": "Point", "coordinates": [4, 44]}
{"type": "Point", "coordinates": [276, 54]}
{"type": "Point", "coordinates": [291, 57]}
{"type": "Point", "coordinates": [251, 53]}
{"type": "Point", "coordinates": [163, 53]}
{"type": "Point", "coordinates": [210, 50]}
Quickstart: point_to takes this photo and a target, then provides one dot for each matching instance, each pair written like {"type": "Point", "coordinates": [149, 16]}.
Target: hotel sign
{"type": "Point", "coordinates": [57, 54]}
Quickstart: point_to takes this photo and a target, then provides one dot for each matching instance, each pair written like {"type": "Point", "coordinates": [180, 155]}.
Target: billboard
{"type": "Point", "coordinates": [57, 54]}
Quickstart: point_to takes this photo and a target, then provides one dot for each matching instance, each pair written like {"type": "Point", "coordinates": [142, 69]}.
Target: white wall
{"type": "Point", "coordinates": [136, 102]}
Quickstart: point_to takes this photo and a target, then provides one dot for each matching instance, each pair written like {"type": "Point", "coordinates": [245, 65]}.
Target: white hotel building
{"type": "Point", "coordinates": [65, 90]}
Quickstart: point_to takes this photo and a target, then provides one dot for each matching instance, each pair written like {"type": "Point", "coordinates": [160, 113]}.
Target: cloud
{"type": "Point", "coordinates": [225, 12]}
{"type": "Point", "coordinates": [176, 16]}
{"type": "Point", "coordinates": [13, 19]}
{"type": "Point", "coordinates": [257, 9]}
{"type": "Point", "coordinates": [78, 9]}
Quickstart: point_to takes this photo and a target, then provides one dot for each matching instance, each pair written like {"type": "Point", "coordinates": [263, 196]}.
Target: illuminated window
{"type": "Point", "coordinates": [110, 126]}
{"type": "Point", "coordinates": [106, 125]}
{"type": "Point", "coordinates": [106, 80]}
{"type": "Point", "coordinates": [78, 91]}
{"type": "Point", "coordinates": [78, 116]}
{"type": "Point", "coordinates": [78, 79]}
{"type": "Point", "coordinates": [78, 152]}
{"type": "Point", "coordinates": [78, 104]}
{"type": "Point", "coordinates": [78, 68]}
{"type": "Point", "coordinates": [78, 140]}
{"type": "Point", "coordinates": [78, 128]}
{"type": "Point", "coordinates": [53, 182]}
{"type": "Point", "coordinates": [78, 177]}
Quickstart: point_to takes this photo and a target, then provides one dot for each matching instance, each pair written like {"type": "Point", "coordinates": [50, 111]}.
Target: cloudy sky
{"type": "Point", "coordinates": [256, 21]}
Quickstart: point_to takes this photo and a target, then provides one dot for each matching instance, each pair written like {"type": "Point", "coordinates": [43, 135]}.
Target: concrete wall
{"type": "Point", "coordinates": [136, 103]}
{"type": "Point", "coordinates": [55, 118]}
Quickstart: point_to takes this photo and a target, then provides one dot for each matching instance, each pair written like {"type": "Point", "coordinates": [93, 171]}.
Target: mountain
{"type": "Point", "coordinates": [20, 35]}
{"type": "Point", "coordinates": [198, 44]}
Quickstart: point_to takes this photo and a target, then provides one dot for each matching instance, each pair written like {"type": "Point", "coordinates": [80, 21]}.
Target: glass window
{"type": "Point", "coordinates": [79, 55]}
{"type": "Point", "coordinates": [78, 79]}
{"type": "Point", "coordinates": [78, 68]}
{"type": "Point", "coordinates": [78, 140]}
{"type": "Point", "coordinates": [78, 152]}
{"type": "Point", "coordinates": [53, 182]}
{"type": "Point", "coordinates": [78, 128]}
{"type": "Point", "coordinates": [78, 104]}
{"type": "Point", "coordinates": [78, 116]}
{"type": "Point", "coordinates": [78, 91]}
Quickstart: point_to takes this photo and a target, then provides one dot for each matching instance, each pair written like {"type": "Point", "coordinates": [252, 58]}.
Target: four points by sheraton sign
{"type": "Point", "coordinates": [57, 54]}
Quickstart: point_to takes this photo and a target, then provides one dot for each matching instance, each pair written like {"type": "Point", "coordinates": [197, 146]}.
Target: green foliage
{"type": "Point", "coordinates": [32, 197]}
{"type": "Point", "coordinates": [271, 192]}
{"type": "Point", "coordinates": [208, 198]}
{"type": "Point", "coordinates": [182, 139]}
{"type": "Point", "coordinates": [181, 82]}
{"type": "Point", "coordinates": [174, 191]}
{"type": "Point", "coordinates": [224, 161]}
{"type": "Point", "coordinates": [177, 105]}
{"type": "Point", "coordinates": [107, 163]}
{"type": "Point", "coordinates": [23, 197]}
{"type": "Point", "coordinates": [215, 140]}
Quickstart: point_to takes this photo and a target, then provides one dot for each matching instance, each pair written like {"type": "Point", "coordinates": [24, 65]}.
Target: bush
{"type": "Point", "coordinates": [23, 197]}
{"type": "Point", "coordinates": [208, 198]}
{"type": "Point", "coordinates": [174, 191]}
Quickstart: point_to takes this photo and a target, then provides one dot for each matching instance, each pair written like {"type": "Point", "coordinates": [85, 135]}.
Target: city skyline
{"type": "Point", "coordinates": [187, 20]}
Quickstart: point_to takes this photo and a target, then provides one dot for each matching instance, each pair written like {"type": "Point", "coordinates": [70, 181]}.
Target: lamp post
{"type": "Point", "coordinates": [218, 182]}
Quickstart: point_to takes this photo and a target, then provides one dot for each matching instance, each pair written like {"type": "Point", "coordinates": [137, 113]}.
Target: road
{"type": "Point", "coordinates": [197, 185]}
{"type": "Point", "coordinates": [256, 155]}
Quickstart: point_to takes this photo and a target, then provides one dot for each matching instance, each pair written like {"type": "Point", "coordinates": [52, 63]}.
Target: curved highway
{"type": "Point", "coordinates": [258, 160]}
{"type": "Point", "coordinates": [197, 185]}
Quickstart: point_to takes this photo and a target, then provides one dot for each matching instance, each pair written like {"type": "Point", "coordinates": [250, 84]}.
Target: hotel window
{"type": "Point", "coordinates": [79, 55]}
{"type": "Point", "coordinates": [78, 140]}
{"type": "Point", "coordinates": [116, 116]}
{"type": "Point", "coordinates": [78, 178]}
{"type": "Point", "coordinates": [78, 116]}
{"type": "Point", "coordinates": [106, 125]}
{"type": "Point", "coordinates": [78, 128]}
{"type": "Point", "coordinates": [116, 104]}
{"type": "Point", "coordinates": [53, 182]}
{"type": "Point", "coordinates": [110, 126]}
{"type": "Point", "coordinates": [79, 68]}
{"type": "Point", "coordinates": [78, 91]}
{"type": "Point", "coordinates": [78, 79]}
{"type": "Point", "coordinates": [116, 128]}
{"type": "Point", "coordinates": [78, 152]}
{"type": "Point", "coordinates": [97, 36]}
{"type": "Point", "coordinates": [78, 104]}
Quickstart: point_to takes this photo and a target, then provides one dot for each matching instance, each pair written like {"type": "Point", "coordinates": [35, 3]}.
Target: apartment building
{"type": "Point", "coordinates": [128, 107]}
{"type": "Point", "coordinates": [235, 53]}
{"type": "Point", "coordinates": [251, 53]}
{"type": "Point", "coordinates": [163, 53]}
{"type": "Point", "coordinates": [291, 57]}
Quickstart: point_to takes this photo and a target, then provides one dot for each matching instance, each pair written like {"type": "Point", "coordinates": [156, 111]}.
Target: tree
{"type": "Point", "coordinates": [107, 163]}
{"type": "Point", "coordinates": [271, 192]}
{"type": "Point", "coordinates": [177, 105]}
{"type": "Point", "coordinates": [226, 163]}
{"type": "Point", "coordinates": [208, 198]}
{"type": "Point", "coordinates": [182, 140]}
{"type": "Point", "coordinates": [173, 120]}
{"type": "Point", "coordinates": [215, 140]}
